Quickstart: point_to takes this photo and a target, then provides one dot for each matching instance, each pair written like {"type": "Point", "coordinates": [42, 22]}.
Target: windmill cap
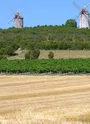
{"type": "Point", "coordinates": [84, 10]}
{"type": "Point", "coordinates": [18, 15]}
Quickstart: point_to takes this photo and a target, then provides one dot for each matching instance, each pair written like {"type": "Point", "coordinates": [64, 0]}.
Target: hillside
{"type": "Point", "coordinates": [44, 37]}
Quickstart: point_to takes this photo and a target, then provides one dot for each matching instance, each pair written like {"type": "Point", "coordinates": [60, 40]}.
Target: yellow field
{"type": "Point", "coordinates": [45, 99]}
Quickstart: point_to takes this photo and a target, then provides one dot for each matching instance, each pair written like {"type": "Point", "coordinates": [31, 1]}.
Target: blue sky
{"type": "Point", "coordinates": [39, 12]}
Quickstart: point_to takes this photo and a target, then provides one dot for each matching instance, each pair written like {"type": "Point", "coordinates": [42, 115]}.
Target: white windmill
{"type": "Point", "coordinates": [84, 16]}
{"type": "Point", "coordinates": [18, 20]}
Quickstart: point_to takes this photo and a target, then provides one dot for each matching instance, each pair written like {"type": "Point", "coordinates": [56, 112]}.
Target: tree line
{"type": "Point", "coordinates": [46, 37]}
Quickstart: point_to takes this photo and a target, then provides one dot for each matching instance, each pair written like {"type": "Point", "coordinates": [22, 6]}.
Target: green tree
{"type": "Point", "coordinates": [71, 23]}
{"type": "Point", "coordinates": [9, 51]}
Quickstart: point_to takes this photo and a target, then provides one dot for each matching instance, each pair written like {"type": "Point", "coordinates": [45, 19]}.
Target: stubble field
{"type": "Point", "coordinates": [45, 99]}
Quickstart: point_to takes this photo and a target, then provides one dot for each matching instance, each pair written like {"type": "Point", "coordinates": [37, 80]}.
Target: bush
{"type": "Point", "coordinates": [27, 56]}
{"type": "Point", "coordinates": [2, 51]}
{"type": "Point", "coordinates": [9, 51]}
{"type": "Point", "coordinates": [51, 55]}
{"type": "Point", "coordinates": [35, 54]}
{"type": "Point", "coordinates": [2, 57]}
{"type": "Point", "coordinates": [32, 54]}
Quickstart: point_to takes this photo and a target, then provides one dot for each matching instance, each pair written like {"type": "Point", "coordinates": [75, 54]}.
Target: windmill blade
{"type": "Point", "coordinates": [76, 5]}
{"type": "Point", "coordinates": [87, 6]}
{"type": "Point", "coordinates": [11, 21]}
{"type": "Point", "coordinates": [77, 17]}
{"type": "Point", "coordinates": [21, 11]}
{"type": "Point", "coordinates": [12, 11]}
{"type": "Point", "coordinates": [87, 14]}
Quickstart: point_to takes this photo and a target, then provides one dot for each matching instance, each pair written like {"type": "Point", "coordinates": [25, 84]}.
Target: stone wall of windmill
{"type": "Point", "coordinates": [84, 19]}
{"type": "Point", "coordinates": [18, 20]}
{"type": "Point", "coordinates": [84, 16]}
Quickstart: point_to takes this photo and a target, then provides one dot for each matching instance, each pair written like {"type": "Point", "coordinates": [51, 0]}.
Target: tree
{"type": "Point", "coordinates": [71, 23]}
{"type": "Point", "coordinates": [9, 51]}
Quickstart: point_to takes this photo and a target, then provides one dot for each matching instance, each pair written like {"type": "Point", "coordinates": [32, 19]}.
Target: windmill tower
{"type": "Point", "coordinates": [84, 16]}
{"type": "Point", "coordinates": [17, 20]}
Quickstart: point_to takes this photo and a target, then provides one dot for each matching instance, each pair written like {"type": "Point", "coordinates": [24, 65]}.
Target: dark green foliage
{"type": "Point", "coordinates": [32, 54]}
{"type": "Point", "coordinates": [9, 51]}
{"type": "Point", "coordinates": [35, 54]}
{"type": "Point", "coordinates": [27, 56]}
{"type": "Point", "coordinates": [71, 23]}
{"type": "Point", "coordinates": [46, 66]}
{"type": "Point", "coordinates": [51, 55]}
{"type": "Point", "coordinates": [44, 37]}
{"type": "Point", "coordinates": [2, 57]}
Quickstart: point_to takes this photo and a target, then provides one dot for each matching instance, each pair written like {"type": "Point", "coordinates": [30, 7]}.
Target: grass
{"type": "Point", "coordinates": [57, 54]}
{"type": "Point", "coordinates": [45, 99]}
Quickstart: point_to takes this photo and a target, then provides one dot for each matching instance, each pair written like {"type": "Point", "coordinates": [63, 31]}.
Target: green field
{"type": "Point", "coordinates": [45, 66]}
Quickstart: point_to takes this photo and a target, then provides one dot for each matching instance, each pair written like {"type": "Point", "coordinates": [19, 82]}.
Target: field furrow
{"type": "Point", "coordinates": [45, 99]}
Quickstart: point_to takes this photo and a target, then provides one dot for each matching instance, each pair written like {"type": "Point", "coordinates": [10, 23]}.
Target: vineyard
{"type": "Point", "coordinates": [45, 66]}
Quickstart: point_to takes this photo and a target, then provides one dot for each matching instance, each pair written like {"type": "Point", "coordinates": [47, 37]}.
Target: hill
{"type": "Point", "coordinates": [44, 37]}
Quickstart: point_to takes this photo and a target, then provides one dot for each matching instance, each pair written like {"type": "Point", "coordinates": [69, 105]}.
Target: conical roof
{"type": "Point", "coordinates": [18, 15]}
{"type": "Point", "coordinates": [84, 11]}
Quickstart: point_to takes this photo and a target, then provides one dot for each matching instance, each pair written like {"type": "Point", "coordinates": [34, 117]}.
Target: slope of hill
{"type": "Point", "coordinates": [44, 37]}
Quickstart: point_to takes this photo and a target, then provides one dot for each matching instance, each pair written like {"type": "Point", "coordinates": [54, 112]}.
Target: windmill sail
{"type": "Point", "coordinates": [18, 20]}
{"type": "Point", "coordinates": [84, 16]}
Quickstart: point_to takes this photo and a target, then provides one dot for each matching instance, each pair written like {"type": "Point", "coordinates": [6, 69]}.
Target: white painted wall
{"type": "Point", "coordinates": [84, 21]}
{"type": "Point", "coordinates": [18, 23]}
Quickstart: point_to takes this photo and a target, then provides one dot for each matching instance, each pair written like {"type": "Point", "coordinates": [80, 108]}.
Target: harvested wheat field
{"type": "Point", "coordinates": [45, 99]}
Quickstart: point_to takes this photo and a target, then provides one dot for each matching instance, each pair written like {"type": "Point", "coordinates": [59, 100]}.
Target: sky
{"type": "Point", "coordinates": [40, 12]}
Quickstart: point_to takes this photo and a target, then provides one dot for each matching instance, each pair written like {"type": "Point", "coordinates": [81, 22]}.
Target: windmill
{"type": "Point", "coordinates": [18, 20]}
{"type": "Point", "coordinates": [84, 16]}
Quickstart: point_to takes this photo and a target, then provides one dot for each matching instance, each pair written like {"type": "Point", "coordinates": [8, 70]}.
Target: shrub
{"type": "Point", "coordinates": [35, 54]}
{"type": "Point", "coordinates": [32, 54]}
{"type": "Point", "coordinates": [9, 51]}
{"type": "Point", "coordinates": [27, 56]}
{"type": "Point", "coordinates": [51, 55]}
{"type": "Point", "coordinates": [2, 51]}
{"type": "Point", "coordinates": [2, 57]}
